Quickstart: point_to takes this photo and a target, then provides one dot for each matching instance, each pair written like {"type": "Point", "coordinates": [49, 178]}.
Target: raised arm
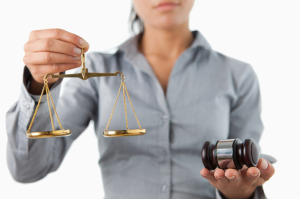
{"type": "Point", "coordinates": [30, 160]}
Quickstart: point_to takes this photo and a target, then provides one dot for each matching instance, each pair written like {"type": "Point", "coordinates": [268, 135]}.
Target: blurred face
{"type": "Point", "coordinates": [164, 14]}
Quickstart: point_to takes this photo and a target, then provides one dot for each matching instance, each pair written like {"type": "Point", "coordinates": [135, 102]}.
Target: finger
{"type": "Point", "coordinates": [60, 35]}
{"type": "Point", "coordinates": [52, 45]}
{"type": "Point", "coordinates": [207, 174]}
{"type": "Point", "coordinates": [252, 175]}
{"type": "Point", "coordinates": [220, 175]}
{"type": "Point", "coordinates": [266, 168]}
{"type": "Point", "coordinates": [40, 71]}
{"type": "Point", "coordinates": [233, 175]}
{"type": "Point", "coordinates": [46, 58]}
{"type": "Point", "coordinates": [58, 68]}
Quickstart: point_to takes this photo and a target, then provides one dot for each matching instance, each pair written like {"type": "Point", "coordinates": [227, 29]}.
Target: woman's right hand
{"type": "Point", "coordinates": [51, 51]}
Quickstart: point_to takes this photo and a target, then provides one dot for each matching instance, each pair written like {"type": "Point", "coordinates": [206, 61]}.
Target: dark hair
{"type": "Point", "coordinates": [135, 22]}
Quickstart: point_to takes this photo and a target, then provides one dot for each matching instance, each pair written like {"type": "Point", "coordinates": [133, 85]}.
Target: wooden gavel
{"type": "Point", "coordinates": [231, 153]}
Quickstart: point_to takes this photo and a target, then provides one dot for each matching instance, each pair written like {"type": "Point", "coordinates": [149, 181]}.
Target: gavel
{"type": "Point", "coordinates": [230, 153]}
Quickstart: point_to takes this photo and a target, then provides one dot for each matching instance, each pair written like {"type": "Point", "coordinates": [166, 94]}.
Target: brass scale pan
{"type": "Point", "coordinates": [83, 75]}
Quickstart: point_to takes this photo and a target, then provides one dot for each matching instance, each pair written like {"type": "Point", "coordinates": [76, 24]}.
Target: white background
{"type": "Point", "coordinates": [264, 33]}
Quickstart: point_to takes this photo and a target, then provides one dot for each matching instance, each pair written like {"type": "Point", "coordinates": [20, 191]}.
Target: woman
{"type": "Point", "coordinates": [184, 94]}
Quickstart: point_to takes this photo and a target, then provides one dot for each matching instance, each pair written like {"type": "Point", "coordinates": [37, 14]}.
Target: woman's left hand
{"type": "Point", "coordinates": [239, 184]}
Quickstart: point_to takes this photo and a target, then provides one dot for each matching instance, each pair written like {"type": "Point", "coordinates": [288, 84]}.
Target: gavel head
{"type": "Point", "coordinates": [231, 153]}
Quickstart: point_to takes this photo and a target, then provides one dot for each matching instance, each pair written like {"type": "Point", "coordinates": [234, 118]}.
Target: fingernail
{"type": "Point", "coordinates": [254, 174]}
{"type": "Point", "coordinates": [203, 173]}
{"type": "Point", "coordinates": [77, 58]}
{"type": "Point", "coordinates": [231, 177]}
{"type": "Point", "coordinates": [264, 164]}
{"type": "Point", "coordinates": [82, 43]}
{"type": "Point", "coordinates": [77, 51]}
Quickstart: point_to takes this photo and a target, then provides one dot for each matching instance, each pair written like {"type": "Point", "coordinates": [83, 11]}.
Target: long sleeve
{"type": "Point", "coordinates": [245, 120]}
{"type": "Point", "coordinates": [30, 160]}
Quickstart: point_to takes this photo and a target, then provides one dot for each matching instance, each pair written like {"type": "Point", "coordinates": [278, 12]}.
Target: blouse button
{"type": "Point", "coordinates": [164, 188]}
{"type": "Point", "coordinates": [165, 117]}
{"type": "Point", "coordinates": [27, 106]}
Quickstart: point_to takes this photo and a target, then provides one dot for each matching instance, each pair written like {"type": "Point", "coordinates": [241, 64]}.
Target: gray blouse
{"type": "Point", "coordinates": [209, 97]}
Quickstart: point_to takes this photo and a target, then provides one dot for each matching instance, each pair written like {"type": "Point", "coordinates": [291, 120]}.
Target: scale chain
{"type": "Point", "coordinates": [36, 109]}
{"type": "Point", "coordinates": [113, 108]}
{"type": "Point", "coordinates": [61, 128]}
{"type": "Point", "coordinates": [125, 108]}
{"type": "Point", "coordinates": [123, 87]}
{"type": "Point", "coordinates": [132, 107]}
{"type": "Point", "coordinates": [49, 107]}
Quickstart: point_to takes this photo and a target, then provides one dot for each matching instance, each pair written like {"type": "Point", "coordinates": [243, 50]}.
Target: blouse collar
{"type": "Point", "coordinates": [131, 53]}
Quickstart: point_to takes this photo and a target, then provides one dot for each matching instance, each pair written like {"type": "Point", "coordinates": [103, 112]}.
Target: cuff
{"type": "Point", "coordinates": [258, 194]}
{"type": "Point", "coordinates": [29, 100]}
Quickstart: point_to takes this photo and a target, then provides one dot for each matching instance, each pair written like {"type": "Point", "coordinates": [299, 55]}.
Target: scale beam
{"type": "Point", "coordinates": [84, 75]}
